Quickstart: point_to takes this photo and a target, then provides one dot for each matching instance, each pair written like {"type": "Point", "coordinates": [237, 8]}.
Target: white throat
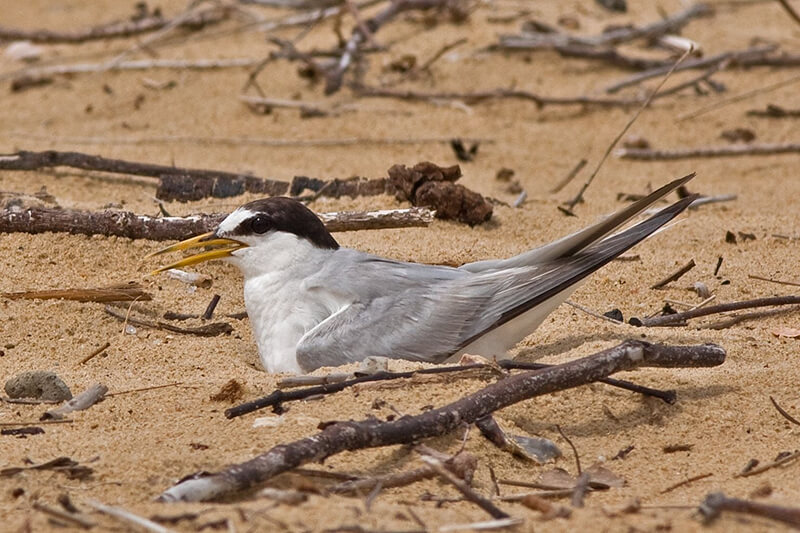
{"type": "Point", "coordinates": [281, 298]}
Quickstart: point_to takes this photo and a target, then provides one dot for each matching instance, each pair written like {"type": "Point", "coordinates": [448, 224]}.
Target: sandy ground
{"type": "Point", "coordinates": [140, 443]}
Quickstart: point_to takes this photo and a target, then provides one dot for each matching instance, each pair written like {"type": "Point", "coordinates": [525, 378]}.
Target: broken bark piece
{"type": "Point", "coordinates": [94, 394]}
{"type": "Point", "coordinates": [123, 293]}
{"type": "Point", "coordinates": [428, 184]}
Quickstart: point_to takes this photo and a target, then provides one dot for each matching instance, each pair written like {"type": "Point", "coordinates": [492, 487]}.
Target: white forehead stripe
{"type": "Point", "coordinates": [233, 220]}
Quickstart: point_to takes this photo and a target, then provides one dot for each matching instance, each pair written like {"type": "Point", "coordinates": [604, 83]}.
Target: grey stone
{"type": "Point", "coordinates": [38, 384]}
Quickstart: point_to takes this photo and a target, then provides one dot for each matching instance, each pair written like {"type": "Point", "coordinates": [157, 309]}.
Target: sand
{"type": "Point", "coordinates": [140, 443]}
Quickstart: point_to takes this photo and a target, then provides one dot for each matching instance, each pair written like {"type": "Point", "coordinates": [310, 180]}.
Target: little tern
{"type": "Point", "coordinates": [313, 303]}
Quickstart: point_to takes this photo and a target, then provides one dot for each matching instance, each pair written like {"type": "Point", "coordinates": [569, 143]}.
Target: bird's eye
{"type": "Point", "coordinates": [260, 224]}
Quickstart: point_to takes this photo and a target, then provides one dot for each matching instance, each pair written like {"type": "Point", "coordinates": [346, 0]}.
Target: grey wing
{"type": "Point", "coordinates": [423, 324]}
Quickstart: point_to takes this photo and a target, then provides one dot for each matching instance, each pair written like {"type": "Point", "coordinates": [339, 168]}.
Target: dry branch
{"type": "Point", "coordinates": [717, 502]}
{"type": "Point", "coordinates": [647, 154]}
{"type": "Point", "coordinates": [123, 293]}
{"type": "Point", "coordinates": [371, 433]}
{"type": "Point", "coordinates": [750, 57]}
{"type": "Point", "coordinates": [495, 94]}
{"type": "Point", "coordinates": [334, 76]}
{"type": "Point", "coordinates": [114, 30]}
{"type": "Point", "coordinates": [675, 276]}
{"type": "Point", "coordinates": [126, 224]}
{"type": "Point", "coordinates": [679, 319]}
{"type": "Point", "coordinates": [33, 76]}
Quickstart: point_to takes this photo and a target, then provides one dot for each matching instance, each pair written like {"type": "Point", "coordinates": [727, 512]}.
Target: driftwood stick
{"type": "Point", "coordinates": [34, 75]}
{"type": "Point", "coordinates": [495, 94]}
{"type": "Point", "coordinates": [278, 397]}
{"type": "Point", "coordinates": [675, 276]}
{"type": "Point", "coordinates": [748, 57]}
{"type": "Point", "coordinates": [372, 433]}
{"type": "Point", "coordinates": [335, 75]}
{"type": "Point", "coordinates": [717, 502]}
{"type": "Point", "coordinates": [128, 518]}
{"type": "Point", "coordinates": [679, 319]}
{"type": "Point", "coordinates": [26, 160]}
{"type": "Point", "coordinates": [115, 30]}
{"type": "Point", "coordinates": [75, 519]}
{"type": "Point", "coordinates": [213, 329]}
{"type": "Point", "coordinates": [123, 293]}
{"type": "Point", "coordinates": [82, 401]}
{"type": "Point", "coordinates": [464, 488]}
{"type": "Point", "coordinates": [126, 224]}
{"type": "Point", "coordinates": [734, 150]}
{"type": "Point", "coordinates": [462, 464]}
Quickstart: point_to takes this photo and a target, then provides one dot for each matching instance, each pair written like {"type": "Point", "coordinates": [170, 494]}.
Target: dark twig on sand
{"type": "Point", "coordinates": [735, 150]}
{"type": "Point", "coordinates": [478, 97]}
{"type": "Point", "coordinates": [783, 412]}
{"type": "Point", "coordinates": [464, 488]}
{"type": "Point", "coordinates": [679, 319]}
{"type": "Point", "coordinates": [675, 276]}
{"type": "Point", "coordinates": [206, 330]}
{"type": "Point", "coordinates": [372, 433]}
{"type": "Point", "coordinates": [124, 29]}
{"type": "Point", "coordinates": [717, 502]}
{"type": "Point", "coordinates": [278, 397]}
{"type": "Point", "coordinates": [126, 224]}
{"type": "Point", "coordinates": [569, 177]}
{"type": "Point", "coordinates": [570, 205]}
{"type": "Point", "coordinates": [768, 466]}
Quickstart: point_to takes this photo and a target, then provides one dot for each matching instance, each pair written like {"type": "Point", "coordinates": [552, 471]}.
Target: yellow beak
{"type": "Point", "coordinates": [201, 241]}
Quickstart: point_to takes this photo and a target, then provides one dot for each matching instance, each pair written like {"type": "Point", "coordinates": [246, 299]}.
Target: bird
{"type": "Point", "coordinates": [314, 303]}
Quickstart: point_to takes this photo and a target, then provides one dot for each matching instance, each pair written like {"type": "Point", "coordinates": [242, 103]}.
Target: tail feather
{"type": "Point", "coordinates": [574, 243]}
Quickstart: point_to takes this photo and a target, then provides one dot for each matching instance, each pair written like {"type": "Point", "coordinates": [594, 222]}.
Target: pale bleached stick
{"type": "Point", "coordinates": [128, 517]}
{"type": "Point", "coordinates": [733, 150]}
{"type": "Point", "coordinates": [82, 401]}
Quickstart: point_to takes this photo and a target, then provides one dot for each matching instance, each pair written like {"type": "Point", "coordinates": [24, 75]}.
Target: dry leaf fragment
{"type": "Point", "coordinates": [791, 333]}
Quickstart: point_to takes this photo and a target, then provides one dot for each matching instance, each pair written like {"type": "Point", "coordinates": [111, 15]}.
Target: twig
{"type": "Point", "coordinates": [374, 433]}
{"type": "Point", "coordinates": [574, 449]}
{"type": "Point", "coordinates": [334, 76]}
{"type": "Point", "coordinates": [592, 313]}
{"type": "Point", "coordinates": [747, 57]}
{"type": "Point", "coordinates": [570, 205]}
{"type": "Point", "coordinates": [209, 312]}
{"type": "Point", "coordinates": [675, 276]}
{"type": "Point", "coordinates": [737, 98]}
{"type": "Point", "coordinates": [77, 520]}
{"type": "Point", "coordinates": [243, 141]}
{"type": "Point", "coordinates": [128, 517]}
{"type": "Point", "coordinates": [778, 281]}
{"type": "Point", "coordinates": [717, 502]}
{"type": "Point", "coordinates": [790, 10]}
{"type": "Point", "coordinates": [143, 389]}
{"type": "Point", "coordinates": [206, 330]}
{"type": "Point", "coordinates": [36, 423]}
{"type": "Point", "coordinates": [569, 177]}
{"type": "Point", "coordinates": [126, 224]}
{"type": "Point", "coordinates": [465, 489]}
{"type": "Point", "coordinates": [774, 111]}
{"type": "Point", "coordinates": [192, 278]}
{"type": "Point", "coordinates": [278, 397]}
{"type": "Point", "coordinates": [763, 468]}
{"type": "Point", "coordinates": [124, 29]}
{"type": "Point", "coordinates": [686, 482]}
{"type": "Point", "coordinates": [95, 353]}
{"type": "Point", "coordinates": [783, 413]}
{"type": "Point", "coordinates": [647, 154]}
{"type": "Point", "coordinates": [678, 319]}
{"type": "Point", "coordinates": [477, 97]}
{"type": "Point", "coordinates": [738, 319]}
{"type": "Point", "coordinates": [123, 293]}
{"type": "Point", "coordinates": [82, 401]}
{"type": "Point", "coordinates": [42, 73]}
